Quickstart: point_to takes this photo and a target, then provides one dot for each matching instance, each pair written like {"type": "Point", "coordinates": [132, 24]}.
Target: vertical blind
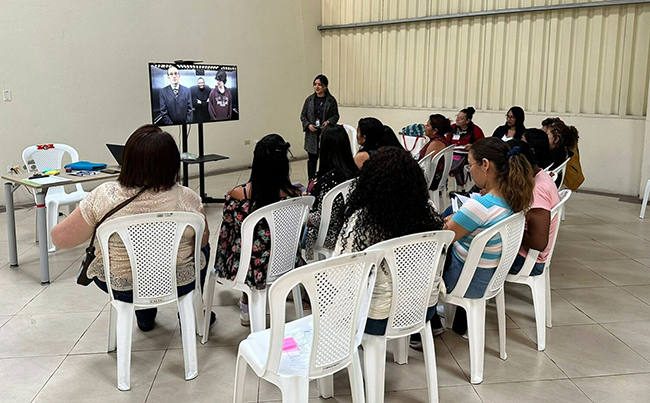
{"type": "Point", "coordinates": [585, 61]}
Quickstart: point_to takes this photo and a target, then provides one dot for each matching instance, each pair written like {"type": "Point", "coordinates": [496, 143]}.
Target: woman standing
{"type": "Point", "coordinates": [319, 110]}
{"type": "Point", "coordinates": [514, 127]}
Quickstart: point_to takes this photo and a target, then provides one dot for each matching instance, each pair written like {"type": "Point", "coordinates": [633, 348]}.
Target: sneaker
{"type": "Point", "coordinates": [465, 336]}
{"type": "Point", "coordinates": [146, 326]}
{"type": "Point", "coordinates": [243, 314]}
{"type": "Point", "coordinates": [415, 344]}
{"type": "Point", "coordinates": [438, 331]}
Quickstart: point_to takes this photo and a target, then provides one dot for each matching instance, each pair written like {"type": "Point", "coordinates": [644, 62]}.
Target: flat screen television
{"type": "Point", "coordinates": [192, 93]}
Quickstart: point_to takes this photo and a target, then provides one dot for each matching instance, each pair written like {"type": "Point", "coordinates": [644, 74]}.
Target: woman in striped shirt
{"type": "Point", "coordinates": [507, 181]}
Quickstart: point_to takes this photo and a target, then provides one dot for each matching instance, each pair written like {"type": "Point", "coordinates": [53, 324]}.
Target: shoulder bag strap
{"type": "Point", "coordinates": [113, 211]}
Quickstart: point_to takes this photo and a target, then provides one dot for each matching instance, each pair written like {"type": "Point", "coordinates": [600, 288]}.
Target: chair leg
{"type": "Point", "coordinates": [538, 289]}
{"type": "Point", "coordinates": [374, 358]}
{"type": "Point", "coordinates": [356, 378]}
{"type": "Point", "coordinates": [450, 313]}
{"type": "Point", "coordinates": [240, 379]}
{"type": "Point", "coordinates": [125, 313]}
{"type": "Point", "coordinates": [476, 332]}
{"type": "Point", "coordinates": [429, 350]}
{"type": "Point", "coordinates": [52, 220]}
{"type": "Point", "coordinates": [199, 314]}
{"type": "Point", "coordinates": [112, 328]}
{"type": "Point", "coordinates": [326, 386]}
{"type": "Point", "coordinates": [549, 314]}
{"type": "Point", "coordinates": [295, 390]}
{"type": "Point", "coordinates": [186, 312]}
{"type": "Point", "coordinates": [208, 296]}
{"type": "Point", "coordinates": [646, 195]}
{"type": "Point", "coordinates": [501, 318]}
{"type": "Point", "coordinates": [400, 349]}
{"type": "Point", "coordinates": [257, 310]}
{"type": "Point", "coordinates": [297, 301]}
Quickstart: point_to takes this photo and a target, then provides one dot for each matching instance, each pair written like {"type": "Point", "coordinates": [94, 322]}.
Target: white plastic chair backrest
{"type": "Point", "coordinates": [415, 268]}
{"type": "Point", "coordinates": [448, 154]}
{"type": "Point", "coordinates": [50, 156]}
{"type": "Point", "coordinates": [339, 289]}
{"type": "Point", "coordinates": [342, 189]}
{"type": "Point", "coordinates": [548, 168]}
{"type": "Point", "coordinates": [286, 220]}
{"type": "Point", "coordinates": [560, 169]}
{"type": "Point", "coordinates": [511, 231]}
{"type": "Point", "coordinates": [425, 164]}
{"type": "Point", "coordinates": [151, 241]}
{"type": "Point", "coordinates": [352, 135]}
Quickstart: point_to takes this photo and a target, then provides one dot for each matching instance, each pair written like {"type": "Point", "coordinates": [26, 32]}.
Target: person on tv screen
{"type": "Point", "coordinates": [175, 100]}
{"type": "Point", "coordinates": [220, 105]}
{"type": "Point", "coordinates": [200, 98]}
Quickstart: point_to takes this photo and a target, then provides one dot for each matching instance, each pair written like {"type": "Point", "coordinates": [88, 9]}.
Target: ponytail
{"type": "Point", "coordinates": [514, 174]}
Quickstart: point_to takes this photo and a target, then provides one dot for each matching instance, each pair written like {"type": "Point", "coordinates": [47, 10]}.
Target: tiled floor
{"type": "Point", "coordinates": [53, 339]}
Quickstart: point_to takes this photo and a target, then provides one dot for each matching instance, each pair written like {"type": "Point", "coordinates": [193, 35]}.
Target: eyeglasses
{"type": "Point", "coordinates": [469, 166]}
{"type": "Point", "coordinates": [510, 117]}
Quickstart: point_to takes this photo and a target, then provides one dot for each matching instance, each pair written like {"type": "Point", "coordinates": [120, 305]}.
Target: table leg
{"type": "Point", "coordinates": [11, 225]}
{"type": "Point", "coordinates": [41, 227]}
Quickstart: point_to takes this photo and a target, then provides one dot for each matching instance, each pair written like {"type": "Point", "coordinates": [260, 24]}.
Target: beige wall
{"type": "Point", "coordinates": [610, 147]}
{"type": "Point", "coordinates": [589, 66]}
{"type": "Point", "coordinates": [78, 69]}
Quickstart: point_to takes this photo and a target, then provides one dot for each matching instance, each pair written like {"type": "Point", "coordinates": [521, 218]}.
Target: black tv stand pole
{"type": "Point", "coordinates": [201, 160]}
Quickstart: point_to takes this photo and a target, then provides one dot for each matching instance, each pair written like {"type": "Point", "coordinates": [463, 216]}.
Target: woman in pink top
{"type": "Point", "coordinates": [539, 227]}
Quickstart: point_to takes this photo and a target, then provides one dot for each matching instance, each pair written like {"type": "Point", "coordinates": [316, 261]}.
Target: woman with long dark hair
{"type": "Point", "coordinates": [537, 139]}
{"type": "Point", "coordinates": [269, 182]}
{"type": "Point", "coordinates": [319, 111]}
{"type": "Point", "coordinates": [336, 166]}
{"type": "Point", "coordinates": [389, 199]}
{"type": "Point", "coordinates": [514, 127]}
{"type": "Point", "coordinates": [506, 178]}
{"type": "Point", "coordinates": [371, 135]}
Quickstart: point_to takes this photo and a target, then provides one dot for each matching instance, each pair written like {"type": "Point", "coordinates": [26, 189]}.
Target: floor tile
{"type": "Point", "coordinates": [636, 249]}
{"type": "Point", "coordinates": [14, 297]}
{"type": "Point", "coordinates": [642, 292]}
{"type": "Point", "coordinates": [227, 332]}
{"type": "Point", "coordinates": [93, 378]}
{"type": "Point", "coordinates": [43, 334]}
{"type": "Point", "coordinates": [572, 274]}
{"type": "Point", "coordinates": [22, 378]}
{"type": "Point", "coordinates": [519, 307]}
{"type": "Point", "coordinates": [215, 382]}
{"type": "Point", "coordinates": [633, 334]}
{"type": "Point", "coordinates": [620, 272]}
{"type": "Point", "coordinates": [600, 232]}
{"type": "Point", "coordinates": [645, 262]}
{"type": "Point", "coordinates": [607, 304]}
{"type": "Point", "coordinates": [524, 362]}
{"type": "Point", "coordinates": [622, 388]}
{"type": "Point", "coordinates": [555, 391]}
{"type": "Point", "coordinates": [579, 351]}
{"type": "Point", "coordinates": [588, 250]}
{"type": "Point", "coordinates": [67, 296]}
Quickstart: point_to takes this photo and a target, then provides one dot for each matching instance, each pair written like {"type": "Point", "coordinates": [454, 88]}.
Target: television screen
{"type": "Point", "coordinates": [192, 93]}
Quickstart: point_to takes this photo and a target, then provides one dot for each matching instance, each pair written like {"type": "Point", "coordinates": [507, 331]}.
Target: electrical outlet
{"type": "Point", "coordinates": [6, 95]}
{"type": "Point", "coordinates": [247, 142]}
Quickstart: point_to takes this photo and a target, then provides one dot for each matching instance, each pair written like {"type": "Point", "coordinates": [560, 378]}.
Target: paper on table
{"type": "Point", "coordinates": [48, 180]}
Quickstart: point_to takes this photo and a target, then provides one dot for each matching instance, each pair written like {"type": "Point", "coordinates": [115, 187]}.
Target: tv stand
{"type": "Point", "coordinates": [201, 160]}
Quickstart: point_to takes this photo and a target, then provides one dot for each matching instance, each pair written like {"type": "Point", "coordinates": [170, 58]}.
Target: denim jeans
{"type": "Point", "coordinates": [148, 315]}
{"type": "Point", "coordinates": [378, 327]}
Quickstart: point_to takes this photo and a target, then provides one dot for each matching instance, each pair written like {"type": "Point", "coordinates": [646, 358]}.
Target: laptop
{"type": "Point", "coordinates": [117, 151]}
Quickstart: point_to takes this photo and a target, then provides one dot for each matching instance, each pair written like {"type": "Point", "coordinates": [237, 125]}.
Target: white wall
{"type": "Point", "coordinates": [611, 148]}
{"type": "Point", "coordinates": [78, 70]}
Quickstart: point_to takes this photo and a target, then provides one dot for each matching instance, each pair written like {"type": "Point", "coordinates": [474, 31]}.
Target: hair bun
{"type": "Point", "coordinates": [516, 150]}
{"type": "Point", "coordinates": [471, 110]}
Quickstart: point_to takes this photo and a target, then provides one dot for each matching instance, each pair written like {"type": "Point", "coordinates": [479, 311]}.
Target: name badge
{"type": "Point", "coordinates": [456, 137]}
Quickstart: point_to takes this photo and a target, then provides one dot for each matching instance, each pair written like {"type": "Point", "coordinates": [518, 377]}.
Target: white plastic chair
{"type": "Point", "coordinates": [327, 341]}
{"type": "Point", "coordinates": [151, 241]}
{"type": "Point", "coordinates": [413, 144]}
{"type": "Point", "coordinates": [548, 168]}
{"type": "Point", "coordinates": [540, 286]}
{"type": "Point", "coordinates": [429, 165]}
{"type": "Point", "coordinates": [286, 220]}
{"type": "Point", "coordinates": [511, 231]}
{"type": "Point", "coordinates": [561, 169]}
{"type": "Point", "coordinates": [646, 194]}
{"type": "Point", "coordinates": [352, 134]}
{"type": "Point", "coordinates": [416, 273]}
{"type": "Point", "coordinates": [342, 189]}
{"type": "Point", "coordinates": [50, 156]}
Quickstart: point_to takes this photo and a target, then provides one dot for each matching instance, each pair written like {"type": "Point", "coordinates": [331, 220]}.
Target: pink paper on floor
{"type": "Point", "coordinates": [289, 344]}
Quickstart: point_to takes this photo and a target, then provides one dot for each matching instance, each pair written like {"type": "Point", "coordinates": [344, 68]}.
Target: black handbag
{"type": "Point", "coordinates": [82, 275]}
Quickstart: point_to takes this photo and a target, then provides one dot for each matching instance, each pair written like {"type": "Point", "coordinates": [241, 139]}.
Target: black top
{"type": "Point", "coordinates": [319, 108]}
{"type": "Point", "coordinates": [503, 130]}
